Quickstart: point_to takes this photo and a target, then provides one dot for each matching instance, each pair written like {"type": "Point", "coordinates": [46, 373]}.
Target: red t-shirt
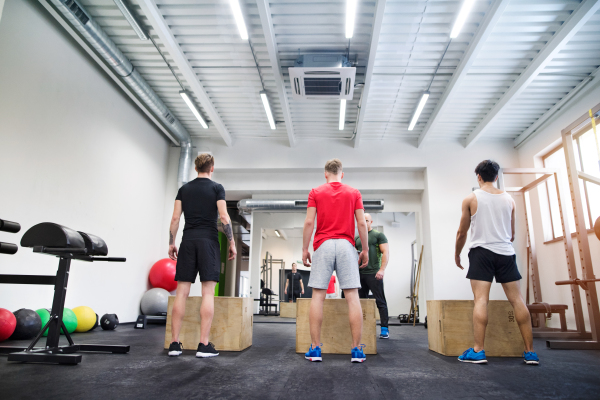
{"type": "Point", "coordinates": [331, 287]}
{"type": "Point", "coordinates": [335, 203]}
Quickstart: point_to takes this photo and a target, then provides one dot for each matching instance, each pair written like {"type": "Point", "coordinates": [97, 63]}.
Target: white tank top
{"type": "Point", "coordinates": [491, 224]}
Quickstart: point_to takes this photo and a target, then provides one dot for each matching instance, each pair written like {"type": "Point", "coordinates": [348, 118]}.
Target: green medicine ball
{"type": "Point", "coordinates": [69, 319]}
{"type": "Point", "coordinates": [45, 316]}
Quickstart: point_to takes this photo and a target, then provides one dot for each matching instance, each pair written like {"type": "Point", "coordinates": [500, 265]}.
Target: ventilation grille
{"type": "Point", "coordinates": [322, 86]}
{"type": "Point", "coordinates": [77, 11]}
{"type": "Point", "coordinates": [170, 119]}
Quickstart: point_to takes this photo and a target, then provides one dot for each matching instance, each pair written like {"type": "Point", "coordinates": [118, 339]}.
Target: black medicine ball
{"type": "Point", "coordinates": [109, 322]}
{"type": "Point", "coordinates": [29, 324]}
{"type": "Point", "coordinates": [96, 324]}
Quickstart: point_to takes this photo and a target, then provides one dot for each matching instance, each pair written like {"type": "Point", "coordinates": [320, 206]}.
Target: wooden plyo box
{"type": "Point", "coordinates": [450, 328]}
{"type": "Point", "coordinates": [287, 310]}
{"type": "Point", "coordinates": [335, 331]}
{"type": "Point", "coordinates": [231, 328]}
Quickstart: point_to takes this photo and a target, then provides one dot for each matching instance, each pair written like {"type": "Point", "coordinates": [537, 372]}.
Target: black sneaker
{"type": "Point", "coordinates": [175, 349]}
{"type": "Point", "coordinates": [205, 351]}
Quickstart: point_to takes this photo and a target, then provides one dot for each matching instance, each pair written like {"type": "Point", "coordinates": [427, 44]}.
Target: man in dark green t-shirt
{"type": "Point", "coordinates": [371, 276]}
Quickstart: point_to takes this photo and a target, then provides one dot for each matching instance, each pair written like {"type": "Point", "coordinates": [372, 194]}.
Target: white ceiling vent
{"type": "Point", "coordinates": [322, 77]}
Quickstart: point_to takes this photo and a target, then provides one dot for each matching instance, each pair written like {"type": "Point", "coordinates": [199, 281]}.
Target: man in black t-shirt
{"type": "Point", "coordinates": [201, 201]}
{"type": "Point", "coordinates": [297, 287]}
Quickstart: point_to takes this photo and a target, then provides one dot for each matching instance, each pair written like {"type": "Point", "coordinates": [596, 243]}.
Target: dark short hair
{"type": "Point", "coordinates": [293, 264]}
{"type": "Point", "coordinates": [204, 162]}
{"type": "Point", "coordinates": [488, 170]}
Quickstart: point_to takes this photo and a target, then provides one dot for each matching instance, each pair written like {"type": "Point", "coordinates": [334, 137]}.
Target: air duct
{"type": "Point", "coordinates": [248, 205]}
{"type": "Point", "coordinates": [93, 34]}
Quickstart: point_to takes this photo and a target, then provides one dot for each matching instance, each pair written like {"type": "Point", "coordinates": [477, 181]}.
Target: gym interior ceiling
{"type": "Point", "coordinates": [511, 68]}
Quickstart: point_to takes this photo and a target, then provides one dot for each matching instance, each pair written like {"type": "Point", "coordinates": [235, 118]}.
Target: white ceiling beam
{"type": "Point", "coordinates": [362, 105]}
{"type": "Point", "coordinates": [567, 30]}
{"type": "Point", "coordinates": [478, 41]}
{"type": "Point", "coordinates": [540, 123]}
{"type": "Point", "coordinates": [264, 9]}
{"type": "Point", "coordinates": [161, 27]}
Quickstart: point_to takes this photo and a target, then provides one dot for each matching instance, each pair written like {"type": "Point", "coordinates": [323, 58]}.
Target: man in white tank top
{"type": "Point", "coordinates": [490, 213]}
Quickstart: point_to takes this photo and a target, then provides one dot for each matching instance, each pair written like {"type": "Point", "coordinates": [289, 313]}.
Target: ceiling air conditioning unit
{"type": "Point", "coordinates": [322, 77]}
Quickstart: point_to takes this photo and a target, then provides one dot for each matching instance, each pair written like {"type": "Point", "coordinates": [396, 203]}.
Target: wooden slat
{"type": "Point", "coordinates": [588, 177]}
{"type": "Point", "coordinates": [536, 183]}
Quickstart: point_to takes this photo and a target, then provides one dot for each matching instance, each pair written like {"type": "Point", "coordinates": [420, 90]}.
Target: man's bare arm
{"type": "Point", "coordinates": [463, 229]}
{"type": "Point", "coordinates": [363, 233]}
{"type": "Point", "coordinates": [173, 228]}
{"type": "Point", "coordinates": [226, 221]}
{"type": "Point", "coordinates": [385, 257]}
{"type": "Point", "coordinates": [309, 226]}
{"type": "Point", "coordinates": [513, 221]}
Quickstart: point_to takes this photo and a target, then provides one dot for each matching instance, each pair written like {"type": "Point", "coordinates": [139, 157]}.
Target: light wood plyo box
{"type": "Point", "coordinates": [231, 328]}
{"type": "Point", "coordinates": [335, 331]}
{"type": "Point", "coordinates": [287, 310]}
{"type": "Point", "coordinates": [450, 328]}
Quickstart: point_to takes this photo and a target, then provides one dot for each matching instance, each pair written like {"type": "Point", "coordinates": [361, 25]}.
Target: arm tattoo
{"type": "Point", "coordinates": [171, 241]}
{"type": "Point", "coordinates": [228, 232]}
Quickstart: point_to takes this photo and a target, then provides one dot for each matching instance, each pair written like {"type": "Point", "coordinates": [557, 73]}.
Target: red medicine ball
{"type": "Point", "coordinates": [162, 274]}
{"type": "Point", "coordinates": [8, 323]}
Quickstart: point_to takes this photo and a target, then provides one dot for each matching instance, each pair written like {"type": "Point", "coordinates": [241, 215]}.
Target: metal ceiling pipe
{"type": "Point", "coordinates": [248, 205]}
{"type": "Point", "coordinates": [93, 34]}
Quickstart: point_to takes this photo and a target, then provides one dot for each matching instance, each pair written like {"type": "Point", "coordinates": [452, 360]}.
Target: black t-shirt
{"type": "Point", "coordinates": [199, 203]}
{"type": "Point", "coordinates": [296, 278]}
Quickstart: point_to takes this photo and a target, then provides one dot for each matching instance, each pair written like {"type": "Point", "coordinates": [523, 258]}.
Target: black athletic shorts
{"type": "Point", "coordinates": [484, 265]}
{"type": "Point", "coordinates": [198, 256]}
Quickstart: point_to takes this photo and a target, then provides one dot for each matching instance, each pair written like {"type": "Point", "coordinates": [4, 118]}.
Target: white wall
{"type": "Point", "coordinates": [75, 151]}
{"type": "Point", "coordinates": [551, 256]}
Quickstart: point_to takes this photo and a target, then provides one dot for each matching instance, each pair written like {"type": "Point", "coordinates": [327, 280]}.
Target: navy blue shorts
{"type": "Point", "coordinates": [484, 265]}
{"type": "Point", "coordinates": [198, 256]}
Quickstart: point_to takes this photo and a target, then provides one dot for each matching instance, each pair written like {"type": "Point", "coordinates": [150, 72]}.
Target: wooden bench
{"type": "Point", "coordinates": [544, 308]}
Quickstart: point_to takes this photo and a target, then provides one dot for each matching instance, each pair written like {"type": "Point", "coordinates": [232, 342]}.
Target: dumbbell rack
{"type": "Point", "coordinates": [52, 352]}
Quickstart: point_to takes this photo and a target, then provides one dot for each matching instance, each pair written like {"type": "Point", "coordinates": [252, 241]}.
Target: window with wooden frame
{"type": "Point", "coordinates": [587, 158]}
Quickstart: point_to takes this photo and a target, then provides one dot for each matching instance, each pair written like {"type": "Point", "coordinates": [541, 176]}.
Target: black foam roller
{"type": "Point", "coordinates": [8, 226]}
{"type": "Point", "coordinates": [8, 248]}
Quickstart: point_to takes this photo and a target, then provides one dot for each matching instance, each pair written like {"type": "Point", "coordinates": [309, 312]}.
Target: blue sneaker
{"type": "Point", "coordinates": [314, 354]}
{"type": "Point", "coordinates": [358, 355]}
{"type": "Point", "coordinates": [471, 356]}
{"type": "Point", "coordinates": [385, 333]}
{"type": "Point", "coordinates": [531, 358]}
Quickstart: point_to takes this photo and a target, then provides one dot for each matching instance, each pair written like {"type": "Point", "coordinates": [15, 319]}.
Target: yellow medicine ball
{"type": "Point", "coordinates": [86, 318]}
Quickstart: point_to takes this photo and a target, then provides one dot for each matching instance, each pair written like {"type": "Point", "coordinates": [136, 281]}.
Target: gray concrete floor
{"type": "Point", "coordinates": [270, 369]}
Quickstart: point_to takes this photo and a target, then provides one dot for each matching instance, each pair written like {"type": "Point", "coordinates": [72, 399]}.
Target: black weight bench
{"type": "Point", "coordinates": [66, 244]}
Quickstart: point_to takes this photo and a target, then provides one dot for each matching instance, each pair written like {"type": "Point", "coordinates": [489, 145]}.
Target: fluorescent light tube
{"type": "Point", "coordinates": [265, 100]}
{"type": "Point", "coordinates": [131, 19]}
{"type": "Point", "coordinates": [350, 17]}
{"type": "Point", "coordinates": [188, 100]}
{"type": "Point", "coordinates": [418, 111]}
{"type": "Point", "coordinates": [342, 113]}
{"type": "Point", "coordinates": [277, 233]}
{"type": "Point", "coordinates": [462, 17]}
{"type": "Point", "coordinates": [239, 18]}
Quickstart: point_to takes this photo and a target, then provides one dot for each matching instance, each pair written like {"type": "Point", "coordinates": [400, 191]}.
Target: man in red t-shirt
{"type": "Point", "coordinates": [337, 206]}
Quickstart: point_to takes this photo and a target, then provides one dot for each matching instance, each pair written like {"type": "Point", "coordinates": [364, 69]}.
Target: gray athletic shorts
{"type": "Point", "coordinates": [339, 255]}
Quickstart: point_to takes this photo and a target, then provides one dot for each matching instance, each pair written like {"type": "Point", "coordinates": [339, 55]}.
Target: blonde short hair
{"type": "Point", "coordinates": [204, 162]}
{"type": "Point", "coordinates": [333, 166]}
